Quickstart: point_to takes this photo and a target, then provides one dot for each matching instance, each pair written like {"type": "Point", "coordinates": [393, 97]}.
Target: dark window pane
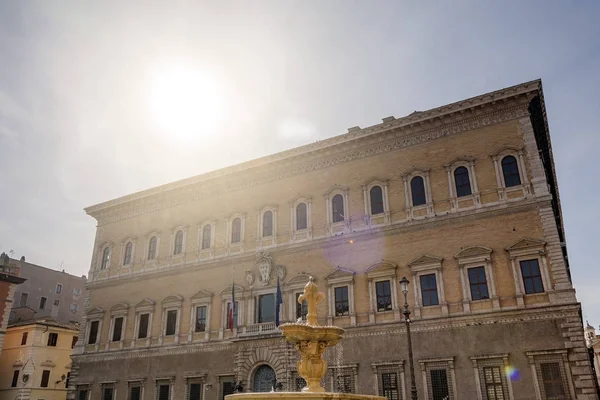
{"type": "Point", "coordinates": [105, 258]}
{"type": "Point", "coordinates": [127, 256]}
{"type": "Point", "coordinates": [24, 297]}
{"type": "Point", "coordinates": [45, 378]}
{"type": "Point", "coordinates": [42, 303]}
{"type": "Point", "coordinates": [15, 378]}
{"type": "Point", "coordinates": [417, 190]}
{"type": "Point", "coordinates": [553, 384]}
{"type": "Point", "coordinates": [236, 230]}
{"type": "Point", "coordinates": [117, 329]}
{"type": "Point", "coordinates": [135, 393]}
{"type": "Point", "coordinates": [343, 384]}
{"type": "Point", "coordinates": [384, 295]}
{"type": "Point", "coordinates": [266, 308]}
{"type": "Point", "coordinates": [74, 341]}
{"type": "Point", "coordinates": [267, 224]}
{"type": "Point", "coordinates": [301, 216]}
{"type": "Point", "coordinates": [152, 248]}
{"type": "Point", "coordinates": [463, 184]}
{"type": "Point", "coordinates": [337, 208]}
{"type": "Point", "coordinates": [429, 293]}
{"type": "Point", "coordinates": [24, 338]}
{"type": "Point", "coordinates": [178, 248]}
{"type": "Point", "coordinates": [493, 383]}
{"type": "Point", "coordinates": [93, 332]}
{"type": "Point", "coordinates": [206, 236]}
{"type": "Point", "coordinates": [52, 339]}
{"type": "Point", "coordinates": [143, 328]}
{"type": "Point", "coordinates": [163, 392]}
{"type": "Point", "coordinates": [83, 395]}
{"type": "Point", "coordinates": [226, 389]}
{"type": "Point", "coordinates": [342, 306]}
{"type": "Point", "coordinates": [171, 322]}
{"type": "Point", "coordinates": [510, 170]}
{"type": "Point", "coordinates": [200, 319]}
{"type": "Point", "coordinates": [301, 309]}
{"type": "Point", "coordinates": [478, 283]}
{"type": "Point", "coordinates": [389, 385]}
{"type": "Point", "coordinates": [439, 384]}
{"type": "Point", "coordinates": [376, 195]}
{"type": "Point", "coordinates": [532, 277]}
{"type": "Point", "coordinates": [195, 391]}
{"type": "Point", "coordinates": [107, 393]}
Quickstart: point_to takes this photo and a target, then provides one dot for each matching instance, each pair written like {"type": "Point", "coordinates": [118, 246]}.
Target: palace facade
{"type": "Point", "coordinates": [462, 200]}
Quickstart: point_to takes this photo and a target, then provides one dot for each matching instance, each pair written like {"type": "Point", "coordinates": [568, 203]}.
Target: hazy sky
{"type": "Point", "coordinates": [77, 79]}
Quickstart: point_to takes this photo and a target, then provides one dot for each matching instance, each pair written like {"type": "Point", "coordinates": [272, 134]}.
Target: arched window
{"type": "Point", "coordinates": [463, 184]}
{"type": "Point", "coordinates": [105, 258]}
{"type": "Point", "coordinates": [337, 208]}
{"type": "Point", "coordinates": [376, 195]}
{"type": "Point", "coordinates": [264, 379]}
{"type": "Point", "coordinates": [127, 255]}
{"type": "Point", "coordinates": [152, 248]}
{"type": "Point", "coordinates": [267, 224]}
{"type": "Point", "coordinates": [301, 216]}
{"type": "Point", "coordinates": [206, 233]}
{"type": "Point", "coordinates": [178, 248]}
{"type": "Point", "coordinates": [417, 189]}
{"type": "Point", "coordinates": [236, 230]}
{"type": "Point", "coordinates": [510, 170]}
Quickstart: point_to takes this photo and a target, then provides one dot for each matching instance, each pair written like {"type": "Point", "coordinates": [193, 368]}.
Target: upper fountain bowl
{"type": "Point", "coordinates": [296, 332]}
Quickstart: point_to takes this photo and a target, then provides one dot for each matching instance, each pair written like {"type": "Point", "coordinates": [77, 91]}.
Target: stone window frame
{"type": "Point", "coordinates": [428, 206]}
{"type": "Point", "coordinates": [259, 233]}
{"type": "Point", "coordinates": [87, 387]}
{"type": "Point", "coordinates": [491, 360]}
{"type": "Point", "coordinates": [333, 227]}
{"type": "Point", "coordinates": [111, 385]}
{"type": "Point", "coordinates": [146, 306]}
{"type": "Point", "coordinates": [178, 256]}
{"type": "Point", "coordinates": [95, 314]}
{"type": "Point", "coordinates": [159, 381]}
{"type": "Point", "coordinates": [473, 257]}
{"type": "Point", "coordinates": [426, 265]}
{"type": "Point", "coordinates": [119, 310]}
{"type": "Point", "coordinates": [346, 369]}
{"type": "Point", "coordinates": [209, 252]}
{"type": "Point", "coordinates": [560, 356]}
{"type": "Point", "coordinates": [446, 363]}
{"type": "Point", "coordinates": [253, 304]}
{"type": "Point", "coordinates": [149, 237]}
{"type": "Point", "coordinates": [367, 202]}
{"type": "Point", "coordinates": [469, 164]}
{"type": "Point", "coordinates": [378, 272]}
{"type": "Point", "coordinates": [100, 259]}
{"type": "Point", "coordinates": [200, 299]}
{"type": "Point", "coordinates": [380, 368]}
{"type": "Point", "coordinates": [340, 277]}
{"type": "Point", "coordinates": [294, 233]}
{"type": "Point", "coordinates": [124, 244]}
{"type": "Point", "coordinates": [238, 247]}
{"type": "Point", "coordinates": [528, 249]}
{"type": "Point", "coordinates": [525, 185]}
{"type": "Point", "coordinates": [292, 287]}
{"type": "Point", "coordinates": [240, 296]}
{"type": "Point", "coordinates": [131, 383]}
{"type": "Point", "coordinates": [195, 378]}
{"type": "Point", "coordinates": [170, 303]}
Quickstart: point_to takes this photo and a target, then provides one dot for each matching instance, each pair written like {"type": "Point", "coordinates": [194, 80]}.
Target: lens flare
{"type": "Point", "coordinates": [512, 373]}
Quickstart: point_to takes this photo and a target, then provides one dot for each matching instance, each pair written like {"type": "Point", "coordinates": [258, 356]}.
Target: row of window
{"type": "Point", "coordinates": [44, 381]}
{"type": "Point", "coordinates": [52, 339]}
{"type": "Point", "coordinates": [376, 199]}
{"type": "Point", "coordinates": [43, 300]}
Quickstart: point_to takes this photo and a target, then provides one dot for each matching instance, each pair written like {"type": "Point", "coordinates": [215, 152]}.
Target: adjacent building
{"type": "Point", "coordinates": [36, 360]}
{"type": "Point", "coordinates": [9, 279]}
{"type": "Point", "coordinates": [48, 293]}
{"type": "Point", "coordinates": [461, 199]}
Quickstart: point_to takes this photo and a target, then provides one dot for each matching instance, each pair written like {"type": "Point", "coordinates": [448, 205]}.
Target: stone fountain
{"type": "Point", "coordinates": [311, 340]}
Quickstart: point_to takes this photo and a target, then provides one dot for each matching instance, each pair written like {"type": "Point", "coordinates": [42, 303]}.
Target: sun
{"type": "Point", "coordinates": [186, 103]}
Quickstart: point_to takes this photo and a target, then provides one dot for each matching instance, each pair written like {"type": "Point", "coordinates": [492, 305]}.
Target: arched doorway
{"type": "Point", "coordinates": [264, 379]}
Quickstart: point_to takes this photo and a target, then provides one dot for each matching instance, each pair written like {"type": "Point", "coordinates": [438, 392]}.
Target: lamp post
{"type": "Point", "coordinates": [413, 387]}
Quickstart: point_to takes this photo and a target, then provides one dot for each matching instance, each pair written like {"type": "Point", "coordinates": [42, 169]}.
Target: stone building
{"type": "Point", "coordinates": [461, 199]}
{"type": "Point", "coordinates": [9, 279]}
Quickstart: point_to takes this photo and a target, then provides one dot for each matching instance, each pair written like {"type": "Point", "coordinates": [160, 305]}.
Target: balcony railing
{"type": "Point", "coordinates": [259, 329]}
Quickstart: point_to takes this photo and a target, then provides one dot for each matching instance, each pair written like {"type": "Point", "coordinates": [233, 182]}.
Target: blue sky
{"type": "Point", "coordinates": [76, 128]}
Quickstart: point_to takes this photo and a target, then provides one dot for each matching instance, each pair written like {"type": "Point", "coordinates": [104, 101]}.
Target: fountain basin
{"type": "Point", "coordinates": [301, 396]}
{"type": "Point", "coordinates": [301, 332]}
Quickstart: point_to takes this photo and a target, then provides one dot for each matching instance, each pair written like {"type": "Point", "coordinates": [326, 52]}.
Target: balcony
{"type": "Point", "coordinates": [259, 329]}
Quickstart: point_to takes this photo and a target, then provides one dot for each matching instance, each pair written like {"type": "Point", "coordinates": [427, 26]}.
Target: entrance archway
{"type": "Point", "coordinates": [264, 379]}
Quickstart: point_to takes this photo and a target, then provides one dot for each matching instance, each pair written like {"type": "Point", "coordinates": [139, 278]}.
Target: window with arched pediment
{"type": "Point", "coordinates": [337, 208]}
{"type": "Point", "coordinates": [152, 247]}
{"type": "Point", "coordinates": [127, 256]}
{"type": "Point", "coordinates": [236, 230]}
{"type": "Point", "coordinates": [376, 197]}
{"type": "Point", "coordinates": [267, 223]}
{"type": "Point", "coordinates": [105, 263]}
{"type": "Point", "coordinates": [206, 236]}
{"type": "Point", "coordinates": [510, 171]}
{"type": "Point", "coordinates": [301, 216]}
{"type": "Point", "coordinates": [462, 182]}
{"type": "Point", "coordinates": [417, 191]}
{"type": "Point", "coordinates": [178, 244]}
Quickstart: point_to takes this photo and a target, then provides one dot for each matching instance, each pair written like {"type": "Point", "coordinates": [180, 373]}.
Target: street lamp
{"type": "Point", "coordinates": [413, 387]}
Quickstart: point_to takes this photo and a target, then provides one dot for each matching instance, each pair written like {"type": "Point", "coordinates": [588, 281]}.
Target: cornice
{"type": "Point", "coordinates": [492, 108]}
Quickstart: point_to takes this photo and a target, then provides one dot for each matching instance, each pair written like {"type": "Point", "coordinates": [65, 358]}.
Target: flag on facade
{"type": "Point", "coordinates": [278, 303]}
{"type": "Point", "coordinates": [231, 317]}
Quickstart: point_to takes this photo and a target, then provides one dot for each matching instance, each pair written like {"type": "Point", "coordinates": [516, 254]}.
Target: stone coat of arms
{"type": "Point", "coordinates": [264, 264]}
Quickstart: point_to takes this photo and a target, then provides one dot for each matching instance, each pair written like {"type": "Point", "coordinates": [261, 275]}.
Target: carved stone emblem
{"type": "Point", "coordinates": [264, 265]}
{"type": "Point", "coordinates": [281, 272]}
{"type": "Point", "coordinates": [250, 277]}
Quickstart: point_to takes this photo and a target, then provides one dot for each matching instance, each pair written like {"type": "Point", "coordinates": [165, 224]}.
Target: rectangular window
{"type": "Point", "coordinates": [226, 388]}
{"type": "Point", "coordinates": [58, 288]}
{"type": "Point", "coordinates": [15, 378]}
{"type": "Point", "coordinates": [45, 378]}
{"type": "Point", "coordinates": [429, 294]}
{"type": "Point", "coordinates": [108, 393]}
{"type": "Point", "coordinates": [117, 329]}
{"type": "Point", "coordinates": [439, 384]}
{"type": "Point", "coordinates": [42, 303]}
{"type": "Point", "coordinates": [301, 309]}
{"type": "Point", "coordinates": [143, 328]}
{"type": "Point", "coordinates": [76, 291]}
{"type": "Point", "coordinates": [23, 301]}
{"type": "Point", "coordinates": [24, 338]}
{"type": "Point", "coordinates": [164, 391]}
{"type": "Point", "coordinates": [74, 341]}
{"type": "Point", "coordinates": [384, 296]}
{"type": "Point", "coordinates": [200, 319]}
{"type": "Point", "coordinates": [343, 384]}
{"type": "Point", "coordinates": [56, 302]}
{"type": "Point", "coordinates": [342, 306]}
{"type": "Point", "coordinates": [553, 383]}
{"type": "Point", "coordinates": [171, 322]}
{"type": "Point", "coordinates": [266, 308]}
{"type": "Point", "coordinates": [82, 395]}
{"type": "Point", "coordinates": [195, 391]}
{"type": "Point", "coordinates": [532, 277]}
{"type": "Point", "coordinates": [74, 307]}
{"type": "Point", "coordinates": [478, 283]}
{"type": "Point", "coordinates": [492, 377]}
{"type": "Point", "coordinates": [389, 385]}
{"type": "Point", "coordinates": [93, 332]}
{"type": "Point", "coordinates": [135, 393]}
{"type": "Point", "coordinates": [52, 339]}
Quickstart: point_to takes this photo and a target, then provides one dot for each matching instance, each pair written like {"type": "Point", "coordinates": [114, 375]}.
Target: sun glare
{"type": "Point", "coordinates": [187, 103]}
